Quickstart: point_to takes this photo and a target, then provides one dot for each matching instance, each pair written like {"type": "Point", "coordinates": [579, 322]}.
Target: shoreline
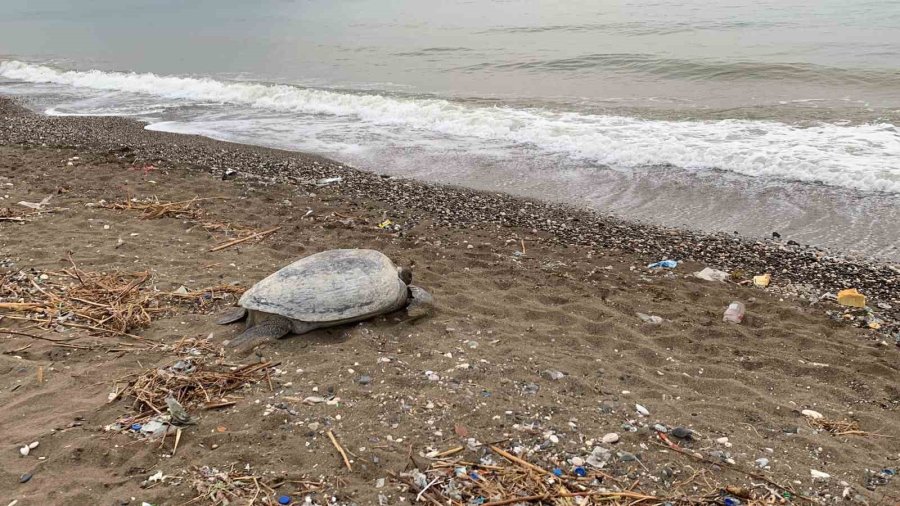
{"type": "Point", "coordinates": [791, 264]}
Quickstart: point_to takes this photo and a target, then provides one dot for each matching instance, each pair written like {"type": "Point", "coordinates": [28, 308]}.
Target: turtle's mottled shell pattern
{"type": "Point", "coordinates": [330, 286]}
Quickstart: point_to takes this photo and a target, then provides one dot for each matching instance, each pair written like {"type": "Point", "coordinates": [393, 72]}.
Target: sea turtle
{"type": "Point", "coordinates": [322, 290]}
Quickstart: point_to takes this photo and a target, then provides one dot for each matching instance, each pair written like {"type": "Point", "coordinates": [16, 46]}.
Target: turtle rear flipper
{"type": "Point", "coordinates": [268, 330]}
{"type": "Point", "coordinates": [234, 314]}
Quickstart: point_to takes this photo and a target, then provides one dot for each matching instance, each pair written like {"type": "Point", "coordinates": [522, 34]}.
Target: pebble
{"type": "Point", "coordinates": [642, 410]}
{"type": "Point", "coordinates": [24, 451]}
{"type": "Point", "coordinates": [25, 478]}
{"type": "Point", "coordinates": [761, 462]}
{"type": "Point", "coordinates": [313, 425]}
{"type": "Point", "coordinates": [815, 415]}
{"type": "Point", "coordinates": [577, 461]}
{"type": "Point", "coordinates": [610, 438]}
{"type": "Point", "coordinates": [819, 474]}
{"type": "Point", "coordinates": [554, 375]}
{"type": "Point", "coordinates": [364, 380]}
{"type": "Point", "coordinates": [682, 433]}
{"type": "Point", "coordinates": [722, 440]}
{"type": "Point", "coordinates": [660, 428]}
{"type": "Point", "coordinates": [627, 457]}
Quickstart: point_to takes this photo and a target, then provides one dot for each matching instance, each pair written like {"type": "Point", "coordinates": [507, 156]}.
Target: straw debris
{"type": "Point", "coordinates": [191, 382]}
{"type": "Point", "coordinates": [113, 303]}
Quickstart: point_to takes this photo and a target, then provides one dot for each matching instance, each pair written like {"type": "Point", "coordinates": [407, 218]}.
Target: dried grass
{"type": "Point", "coordinates": [837, 427]}
{"type": "Point", "coordinates": [106, 303]}
{"type": "Point", "coordinates": [192, 382]}
{"type": "Point", "coordinates": [223, 488]}
{"type": "Point", "coordinates": [225, 232]}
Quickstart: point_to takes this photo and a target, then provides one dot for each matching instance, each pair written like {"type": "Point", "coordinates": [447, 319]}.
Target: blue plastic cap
{"type": "Point", "coordinates": [580, 471]}
{"type": "Point", "coordinates": [284, 499]}
{"type": "Point", "coordinates": [557, 472]}
{"type": "Point", "coordinates": [136, 426]}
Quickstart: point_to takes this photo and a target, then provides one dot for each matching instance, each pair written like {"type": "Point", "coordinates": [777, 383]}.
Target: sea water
{"type": "Point", "coordinates": [723, 116]}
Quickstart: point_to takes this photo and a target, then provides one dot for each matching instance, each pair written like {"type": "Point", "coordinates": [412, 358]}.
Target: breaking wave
{"type": "Point", "coordinates": [864, 157]}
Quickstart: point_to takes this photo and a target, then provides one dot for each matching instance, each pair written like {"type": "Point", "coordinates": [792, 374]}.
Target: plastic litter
{"type": "Point", "coordinates": [762, 280]}
{"type": "Point", "coordinates": [851, 297]}
{"type": "Point", "coordinates": [708, 274]}
{"type": "Point", "coordinates": [328, 180]}
{"type": "Point", "coordinates": [665, 264]}
{"type": "Point", "coordinates": [385, 224]}
{"type": "Point", "coordinates": [557, 472]}
{"type": "Point", "coordinates": [734, 313]}
{"type": "Point", "coordinates": [284, 499]}
{"type": "Point", "coordinates": [580, 472]}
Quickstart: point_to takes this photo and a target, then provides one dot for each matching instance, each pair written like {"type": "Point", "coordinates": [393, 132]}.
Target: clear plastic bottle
{"type": "Point", "coordinates": [734, 313]}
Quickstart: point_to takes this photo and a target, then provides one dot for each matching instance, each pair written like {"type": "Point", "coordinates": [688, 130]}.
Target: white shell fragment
{"type": "Point", "coordinates": [815, 415]}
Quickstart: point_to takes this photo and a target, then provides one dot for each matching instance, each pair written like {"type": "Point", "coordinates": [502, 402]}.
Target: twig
{"type": "Point", "coordinates": [257, 235]}
{"type": "Point", "coordinates": [340, 449]}
{"type": "Point", "coordinates": [512, 458]}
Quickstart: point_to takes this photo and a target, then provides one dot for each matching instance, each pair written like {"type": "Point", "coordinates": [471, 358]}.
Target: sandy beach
{"type": "Point", "coordinates": [534, 344]}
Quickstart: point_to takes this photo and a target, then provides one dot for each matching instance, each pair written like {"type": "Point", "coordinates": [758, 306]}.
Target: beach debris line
{"type": "Point", "coordinates": [502, 477]}
{"type": "Point", "coordinates": [153, 208]}
{"type": "Point", "coordinates": [113, 303]}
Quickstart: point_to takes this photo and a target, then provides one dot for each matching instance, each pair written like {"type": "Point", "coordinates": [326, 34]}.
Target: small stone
{"type": "Point", "coordinates": [364, 380]}
{"type": "Point", "coordinates": [642, 410]}
{"type": "Point", "coordinates": [682, 433]}
{"type": "Point", "coordinates": [791, 430]}
{"type": "Point", "coordinates": [651, 319]}
{"type": "Point", "coordinates": [379, 483]}
{"type": "Point", "coordinates": [815, 415]}
{"type": "Point", "coordinates": [761, 462]}
{"type": "Point", "coordinates": [722, 440]}
{"type": "Point", "coordinates": [313, 425]}
{"type": "Point", "coordinates": [819, 475]}
{"type": "Point", "coordinates": [577, 461]}
{"type": "Point", "coordinates": [553, 438]}
{"type": "Point", "coordinates": [24, 451]}
{"type": "Point", "coordinates": [24, 478]}
{"type": "Point", "coordinates": [627, 457]}
{"type": "Point", "coordinates": [660, 428]}
{"type": "Point", "coordinates": [610, 438]}
{"type": "Point", "coordinates": [554, 375]}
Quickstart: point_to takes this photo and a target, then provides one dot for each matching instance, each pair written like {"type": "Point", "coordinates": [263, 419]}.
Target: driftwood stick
{"type": "Point", "coordinates": [257, 235]}
{"type": "Point", "coordinates": [340, 449]}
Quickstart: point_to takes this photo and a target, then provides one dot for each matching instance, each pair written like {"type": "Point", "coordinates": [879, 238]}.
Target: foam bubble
{"type": "Point", "coordinates": [865, 157]}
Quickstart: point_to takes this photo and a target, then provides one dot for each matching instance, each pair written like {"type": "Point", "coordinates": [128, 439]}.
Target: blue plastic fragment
{"type": "Point", "coordinates": [731, 501]}
{"type": "Point", "coordinates": [580, 471]}
{"type": "Point", "coordinates": [284, 499]}
{"type": "Point", "coordinates": [479, 501]}
{"type": "Point", "coordinates": [889, 472]}
{"type": "Point", "coordinates": [136, 426]}
{"type": "Point", "coordinates": [474, 475]}
{"type": "Point", "coordinates": [666, 264]}
{"type": "Point", "coordinates": [557, 472]}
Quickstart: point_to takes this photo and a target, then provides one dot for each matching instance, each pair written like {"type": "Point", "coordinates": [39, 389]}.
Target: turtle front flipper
{"type": "Point", "coordinates": [234, 314]}
{"type": "Point", "coordinates": [267, 330]}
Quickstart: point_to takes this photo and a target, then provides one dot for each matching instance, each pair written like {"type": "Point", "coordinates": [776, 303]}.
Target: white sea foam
{"type": "Point", "coordinates": [865, 157]}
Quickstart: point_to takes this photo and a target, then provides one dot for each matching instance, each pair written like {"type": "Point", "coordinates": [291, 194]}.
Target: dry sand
{"type": "Point", "coordinates": [501, 321]}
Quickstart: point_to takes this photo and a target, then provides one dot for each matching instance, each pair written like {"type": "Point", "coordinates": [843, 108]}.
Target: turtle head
{"type": "Point", "coordinates": [405, 275]}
